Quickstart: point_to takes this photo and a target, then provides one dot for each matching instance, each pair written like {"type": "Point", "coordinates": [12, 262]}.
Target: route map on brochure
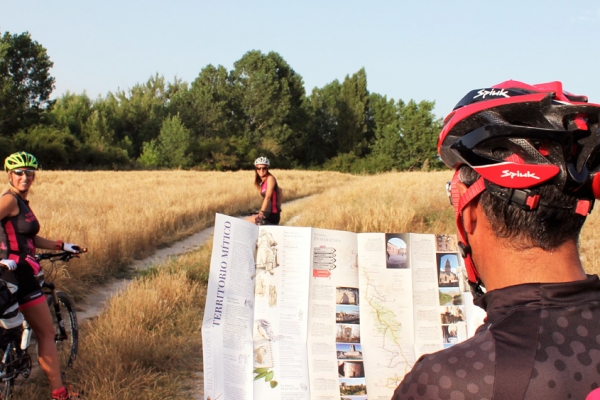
{"type": "Point", "coordinates": [307, 313]}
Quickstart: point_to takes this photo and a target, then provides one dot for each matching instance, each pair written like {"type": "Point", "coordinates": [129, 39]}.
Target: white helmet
{"type": "Point", "coordinates": [262, 160]}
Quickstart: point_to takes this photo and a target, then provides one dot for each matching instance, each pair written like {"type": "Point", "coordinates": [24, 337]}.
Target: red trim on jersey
{"type": "Point", "coordinates": [274, 200]}
{"type": "Point", "coordinates": [11, 235]}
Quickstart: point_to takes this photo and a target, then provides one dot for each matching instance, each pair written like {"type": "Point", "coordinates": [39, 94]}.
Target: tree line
{"type": "Point", "coordinates": [223, 120]}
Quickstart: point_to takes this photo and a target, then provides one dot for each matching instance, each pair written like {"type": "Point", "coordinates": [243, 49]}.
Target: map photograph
{"type": "Point", "coordinates": [396, 251]}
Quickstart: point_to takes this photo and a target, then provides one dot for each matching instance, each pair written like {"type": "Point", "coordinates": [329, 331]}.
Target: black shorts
{"type": "Point", "coordinates": [29, 290]}
{"type": "Point", "coordinates": [272, 219]}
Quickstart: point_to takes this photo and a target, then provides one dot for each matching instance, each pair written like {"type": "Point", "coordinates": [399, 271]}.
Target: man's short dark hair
{"type": "Point", "coordinates": [544, 227]}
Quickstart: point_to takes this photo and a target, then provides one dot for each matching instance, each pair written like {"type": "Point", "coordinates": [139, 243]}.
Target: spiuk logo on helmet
{"type": "Point", "coordinates": [537, 128]}
{"type": "Point", "coordinates": [491, 92]}
{"type": "Point", "coordinates": [518, 174]}
{"type": "Point", "coordinates": [518, 137]}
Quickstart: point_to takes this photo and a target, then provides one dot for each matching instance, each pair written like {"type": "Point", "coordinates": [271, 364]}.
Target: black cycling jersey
{"type": "Point", "coordinates": [18, 232]}
{"type": "Point", "coordinates": [540, 341]}
{"type": "Point", "coordinates": [17, 243]}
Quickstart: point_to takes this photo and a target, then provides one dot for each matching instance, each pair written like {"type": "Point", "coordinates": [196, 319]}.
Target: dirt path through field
{"type": "Point", "coordinates": [95, 302]}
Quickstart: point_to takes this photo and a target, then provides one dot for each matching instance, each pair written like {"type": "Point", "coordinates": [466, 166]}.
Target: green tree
{"type": "Point", "coordinates": [150, 156]}
{"type": "Point", "coordinates": [25, 82]}
{"type": "Point", "coordinates": [96, 132]}
{"type": "Point", "coordinates": [386, 127]}
{"type": "Point", "coordinates": [226, 154]}
{"type": "Point", "coordinates": [269, 96]}
{"type": "Point", "coordinates": [174, 141]}
{"type": "Point", "coordinates": [322, 133]}
{"type": "Point", "coordinates": [353, 108]}
{"type": "Point", "coordinates": [54, 148]}
{"type": "Point", "coordinates": [71, 111]}
{"type": "Point", "coordinates": [419, 131]}
{"type": "Point", "coordinates": [136, 115]}
{"type": "Point", "coordinates": [340, 122]}
{"type": "Point", "coordinates": [171, 148]}
{"type": "Point", "coordinates": [207, 107]}
{"type": "Point", "coordinates": [90, 122]}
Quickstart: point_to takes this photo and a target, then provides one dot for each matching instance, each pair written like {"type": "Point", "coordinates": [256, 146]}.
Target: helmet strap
{"type": "Point", "coordinates": [529, 199]}
{"type": "Point", "coordinates": [460, 202]}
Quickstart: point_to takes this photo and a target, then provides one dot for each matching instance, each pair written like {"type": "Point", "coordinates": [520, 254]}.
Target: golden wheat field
{"type": "Point", "coordinates": [147, 344]}
{"type": "Point", "coordinates": [120, 216]}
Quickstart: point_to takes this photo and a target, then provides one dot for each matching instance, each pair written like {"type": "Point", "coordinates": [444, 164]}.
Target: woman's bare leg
{"type": "Point", "coordinates": [40, 320]}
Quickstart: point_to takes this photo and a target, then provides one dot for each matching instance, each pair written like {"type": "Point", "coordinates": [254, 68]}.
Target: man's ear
{"type": "Point", "coordinates": [469, 214]}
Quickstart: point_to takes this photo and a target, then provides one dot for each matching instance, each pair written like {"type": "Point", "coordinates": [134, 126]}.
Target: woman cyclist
{"type": "Point", "coordinates": [18, 241]}
{"type": "Point", "coordinates": [270, 209]}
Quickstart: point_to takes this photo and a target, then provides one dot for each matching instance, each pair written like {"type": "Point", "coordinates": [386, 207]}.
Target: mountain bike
{"type": "Point", "coordinates": [16, 341]}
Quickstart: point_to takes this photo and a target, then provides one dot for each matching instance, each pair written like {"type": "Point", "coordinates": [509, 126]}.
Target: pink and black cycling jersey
{"type": "Point", "coordinates": [18, 232]}
{"type": "Point", "coordinates": [17, 243]}
{"type": "Point", "coordinates": [273, 206]}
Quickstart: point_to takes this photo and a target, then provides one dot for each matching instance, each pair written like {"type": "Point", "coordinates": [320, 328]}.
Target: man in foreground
{"type": "Point", "coordinates": [525, 158]}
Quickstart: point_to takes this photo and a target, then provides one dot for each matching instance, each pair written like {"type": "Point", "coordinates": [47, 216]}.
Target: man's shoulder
{"type": "Point", "coordinates": [465, 367]}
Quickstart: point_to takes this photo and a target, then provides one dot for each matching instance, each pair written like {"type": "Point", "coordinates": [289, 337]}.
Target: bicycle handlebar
{"type": "Point", "coordinates": [61, 256]}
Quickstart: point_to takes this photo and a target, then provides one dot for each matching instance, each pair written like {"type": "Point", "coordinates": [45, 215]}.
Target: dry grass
{"type": "Point", "coordinates": [147, 341]}
{"type": "Point", "coordinates": [391, 202]}
{"type": "Point", "coordinates": [147, 344]}
{"type": "Point", "coordinates": [589, 243]}
{"type": "Point", "coordinates": [120, 216]}
{"type": "Point", "coordinates": [407, 202]}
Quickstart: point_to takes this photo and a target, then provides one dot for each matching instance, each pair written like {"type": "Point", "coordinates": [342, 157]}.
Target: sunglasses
{"type": "Point", "coordinates": [20, 172]}
{"type": "Point", "coordinates": [261, 168]}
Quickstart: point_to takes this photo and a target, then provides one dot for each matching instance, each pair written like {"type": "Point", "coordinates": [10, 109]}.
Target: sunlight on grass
{"type": "Point", "coordinates": [147, 344]}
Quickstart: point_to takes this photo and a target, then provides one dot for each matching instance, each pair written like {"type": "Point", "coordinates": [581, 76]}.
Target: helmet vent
{"type": "Point", "coordinates": [537, 157]}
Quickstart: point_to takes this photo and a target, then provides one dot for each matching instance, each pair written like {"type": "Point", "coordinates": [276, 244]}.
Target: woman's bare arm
{"type": "Point", "coordinates": [8, 206]}
{"type": "Point", "coordinates": [43, 243]}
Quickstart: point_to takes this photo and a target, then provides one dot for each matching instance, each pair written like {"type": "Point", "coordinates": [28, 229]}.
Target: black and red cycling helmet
{"type": "Point", "coordinates": [518, 136]}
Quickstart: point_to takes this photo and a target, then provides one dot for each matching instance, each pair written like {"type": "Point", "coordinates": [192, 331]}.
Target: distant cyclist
{"type": "Point", "coordinates": [526, 160]}
{"type": "Point", "coordinates": [18, 240]}
{"type": "Point", "coordinates": [270, 210]}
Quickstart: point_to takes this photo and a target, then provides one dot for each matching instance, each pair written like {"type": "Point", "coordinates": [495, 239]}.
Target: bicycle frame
{"type": "Point", "coordinates": [49, 290]}
{"type": "Point", "coordinates": [16, 341]}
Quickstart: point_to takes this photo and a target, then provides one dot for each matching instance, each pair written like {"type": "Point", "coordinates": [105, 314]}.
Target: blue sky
{"type": "Point", "coordinates": [453, 262]}
{"type": "Point", "coordinates": [429, 50]}
{"type": "Point", "coordinates": [397, 242]}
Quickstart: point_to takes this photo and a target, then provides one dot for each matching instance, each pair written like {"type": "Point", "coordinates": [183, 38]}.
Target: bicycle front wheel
{"type": "Point", "coordinates": [64, 319]}
{"type": "Point", "coordinates": [8, 373]}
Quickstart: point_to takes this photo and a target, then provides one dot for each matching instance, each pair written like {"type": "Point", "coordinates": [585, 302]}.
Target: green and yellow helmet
{"type": "Point", "coordinates": [20, 159]}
